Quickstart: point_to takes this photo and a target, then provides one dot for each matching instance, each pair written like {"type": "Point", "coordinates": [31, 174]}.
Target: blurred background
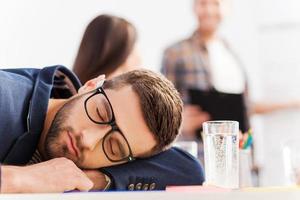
{"type": "Point", "coordinates": [264, 33]}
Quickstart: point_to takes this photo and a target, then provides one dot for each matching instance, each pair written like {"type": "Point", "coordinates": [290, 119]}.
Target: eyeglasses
{"type": "Point", "coordinates": [114, 144]}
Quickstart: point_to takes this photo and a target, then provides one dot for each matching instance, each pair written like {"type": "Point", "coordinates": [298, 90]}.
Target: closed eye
{"type": "Point", "coordinates": [111, 148]}
{"type": "Point", "coordinates": [116, 148]}
{"type": "Point", "coordinates": [99, 115]}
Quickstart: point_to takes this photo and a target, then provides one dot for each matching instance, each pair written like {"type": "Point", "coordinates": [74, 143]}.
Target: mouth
{"type": "Point", "coordinates": [71, 144]}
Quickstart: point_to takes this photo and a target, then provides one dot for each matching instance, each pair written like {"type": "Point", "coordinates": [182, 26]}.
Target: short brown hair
{"type": "Point", "coordinates": [159, 100]}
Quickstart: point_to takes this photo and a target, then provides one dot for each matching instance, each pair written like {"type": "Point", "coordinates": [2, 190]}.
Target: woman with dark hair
{"type": "Point", "coordinates": [107, 47]}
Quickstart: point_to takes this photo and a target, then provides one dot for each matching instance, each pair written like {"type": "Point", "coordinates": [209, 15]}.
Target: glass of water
{"type": "Point", "coordinates": [221, 153]}
{"type": "Point", "coordinates": [291, 161]}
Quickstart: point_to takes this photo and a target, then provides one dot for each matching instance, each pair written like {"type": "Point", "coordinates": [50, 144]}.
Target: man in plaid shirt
{"type": "Point", "coordinates": [205, 62]}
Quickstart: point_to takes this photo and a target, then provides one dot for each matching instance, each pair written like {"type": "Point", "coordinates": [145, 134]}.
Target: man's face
{"type": "Point", "coordinates": [209, 14]}
{"type": "Point", "coordinates": [73, 135]}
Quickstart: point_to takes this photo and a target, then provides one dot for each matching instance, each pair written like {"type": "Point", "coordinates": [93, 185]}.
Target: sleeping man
{"type": "Point", "coordinates": [57, 135]}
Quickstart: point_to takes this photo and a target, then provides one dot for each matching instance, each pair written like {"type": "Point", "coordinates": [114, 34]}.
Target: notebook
{"type": "Point", "coordinates": [221, 106]}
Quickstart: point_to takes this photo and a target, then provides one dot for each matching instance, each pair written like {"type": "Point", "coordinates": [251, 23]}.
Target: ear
{"type": "Point", "coordinates": [92, 84]}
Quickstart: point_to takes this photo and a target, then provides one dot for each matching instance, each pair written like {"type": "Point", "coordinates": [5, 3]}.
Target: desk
{"type": "Point", "coordinates": [285, 194]}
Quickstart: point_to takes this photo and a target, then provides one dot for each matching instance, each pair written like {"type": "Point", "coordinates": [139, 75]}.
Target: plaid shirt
{"type": "Point", "coordinates": [186, 64]}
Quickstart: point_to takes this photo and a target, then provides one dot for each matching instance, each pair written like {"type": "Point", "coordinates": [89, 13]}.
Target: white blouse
{"type": "Point", "coordinates": [227, 75]}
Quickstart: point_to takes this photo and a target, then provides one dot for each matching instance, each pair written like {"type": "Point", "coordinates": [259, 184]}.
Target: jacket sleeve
{"type": "Point", "coordinates": [171, 167]}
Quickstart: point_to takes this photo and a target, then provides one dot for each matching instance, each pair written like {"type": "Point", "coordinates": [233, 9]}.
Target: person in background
{"type": "Point", "coordinates": [108, 47]}
{"type": "Point", "coordinates": [206, 62]}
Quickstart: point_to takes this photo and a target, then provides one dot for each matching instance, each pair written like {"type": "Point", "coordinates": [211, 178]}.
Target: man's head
{"type": "Point", "coordinates": [209, 14]}
{"type": "Point", "coordinates": [137, 113]}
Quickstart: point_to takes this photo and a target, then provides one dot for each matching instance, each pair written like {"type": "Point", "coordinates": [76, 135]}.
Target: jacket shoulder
{"type": "Point", "coordinates": [171, 167]}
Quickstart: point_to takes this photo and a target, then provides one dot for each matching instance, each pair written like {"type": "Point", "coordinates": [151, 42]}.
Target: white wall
{"type": "Point", "coordinates": [278, 28]}
{"type": "Point", "coordinates": [38, 33]}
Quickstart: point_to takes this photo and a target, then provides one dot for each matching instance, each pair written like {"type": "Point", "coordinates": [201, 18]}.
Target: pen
{"type": "Point", "coordinates": [249, 140]}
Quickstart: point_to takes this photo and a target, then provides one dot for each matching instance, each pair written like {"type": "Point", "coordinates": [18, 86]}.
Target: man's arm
{"type": "Point", "coordinates": [56, 175]}
{"type": "Point", "coordinates": [171, 167]}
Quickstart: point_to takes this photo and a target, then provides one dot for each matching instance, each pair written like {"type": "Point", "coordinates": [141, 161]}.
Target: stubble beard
{"type": "Point", "coordinates": [53, 147]}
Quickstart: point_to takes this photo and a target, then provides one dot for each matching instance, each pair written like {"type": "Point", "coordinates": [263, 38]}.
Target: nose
{"type": "Point", "coordinates": [92, 137]}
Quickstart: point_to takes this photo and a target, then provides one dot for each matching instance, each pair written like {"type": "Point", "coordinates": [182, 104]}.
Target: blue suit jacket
{"type": "Point", "coordinates": [24, 95]}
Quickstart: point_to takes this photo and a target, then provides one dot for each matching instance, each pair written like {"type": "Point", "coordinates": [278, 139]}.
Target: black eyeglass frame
{"type": "Point", "coordinates": [112, 123]}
